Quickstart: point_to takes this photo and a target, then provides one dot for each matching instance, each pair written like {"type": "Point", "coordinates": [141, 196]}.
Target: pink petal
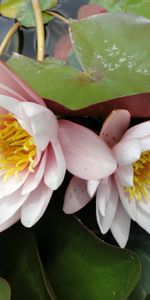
{"type": "Point", "coordinates": [43, 122]}
{"type": "Point", "coordinates": [15, 218]}
{"type": "Point", "coordinates": [86, 155]}
{"type": "Point", "coordinates": [12, 184]}
{"type": "Point", "coordinates": [138, 131]}
{"type": "Point", "coordinates": [129, 205]}
{"type": "Point", "coordinates": [63, 47]}
{"type": "Point", "coordinates": [90, 10]}
{"type": "Point", "coordinates": [144, 205]}
{"type": "Point", "coordinates": [145, 143]}
{"type": "Point", "coordinates": [103, 195]}
{"type": "Point", "coordinates": [76, 196]}
{"type": "Point", "coordinates": [35, 206]}
{"type": "Point", "coordinates": [127, 152]}
{"type": "Point", "coordinates": [7, 91]}
{"type": "Point", "coordinates": [105, 222]}
{"type": "Point", "coordinates": [55, 167]}
{"type": "Point", "coordinates": [92, 186]}
{"type": "Point", "coordinates": [143, 219]}
{"type": "Point", "coordinates": [125, 175]}
{"type": "Point", "coordinates": [34, 179]}
{"type": "Point", "coordinates": [115, 126]}
{"type": "Point", "coordinates": [10, 204]}
{"type": "Point", "coordinates": [9, 78]}
{"type": "Point", "coordinates": [121, 226]}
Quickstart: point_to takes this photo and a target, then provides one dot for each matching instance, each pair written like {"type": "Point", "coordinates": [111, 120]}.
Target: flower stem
{"type": "Point", "coordinates": [39, 29]}
{"type": "Point", "coordinates": [54, 14]}
{"type": "Point", "coordinates": [8, 37]}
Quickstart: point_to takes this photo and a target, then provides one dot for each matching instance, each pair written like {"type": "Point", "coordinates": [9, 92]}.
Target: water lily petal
{"type": "Point", "coordinates": [145, 143]}
{"type": "Point", "coordinates": [125, 175]}
{"type": "Point", "coordinates": [55, 167]}
{"type": "Point", "coordinates": [36, 204]}
{"type": "Point", "coordinates": [12, 184]}
{"type": "Point", "coordinates": [15, 218]}
{"type": "Point", "coordinates": [86, 155]}
{"type": "Point", "coordinates": [7, 91]}
{"type": "Point", "coordinates": [143, 204]}
{"type": "Point", "coordinates": [127, 152]}
{"type": "Point", "coordinates": [114, 126]}
{"type": "Point", "coordinates": [9, 78]}
{"type": "Point", "coordinates": [92, 186]}
{"type": "Point", "coordinates": [10, 204]}
{"type": "Point", "coordinates": [34, 178]}
{"type": "Point", "coordinates": [43, 122]}
{"type": "Point", "coordinates": [138, 131]}
{"type": "Point", "coordinates": [121, 226]}
{"type": "Point", "coordinates": [103, 194]}
{"type": "Point", "coordinates": [105, 222]}
{"type": "Point", "coordinates": [129, 205]}
{"type": "Point", "coordinates": [143, 219]}
{"type": "Point", "coordinates": [76, 196]}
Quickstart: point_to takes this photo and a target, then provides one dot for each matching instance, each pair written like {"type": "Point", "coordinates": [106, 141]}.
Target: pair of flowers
{"type": "Point", "coordinates": [36, 149]}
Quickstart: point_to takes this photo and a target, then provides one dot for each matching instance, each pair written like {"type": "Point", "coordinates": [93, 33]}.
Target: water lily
{"type": "Point", "coordinates": [32, 163]}
{"type": "Point", "coordinates": [125, 194]}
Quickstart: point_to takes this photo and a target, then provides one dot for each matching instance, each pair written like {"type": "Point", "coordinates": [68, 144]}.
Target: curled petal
{"type": "Point", "coordinates": [36, 204]}
{"type": "Point", "coordinates": [86, 155]}
{"type": "Point", "coordinates": [127, 152]}
{"type": "Point", "coordinates": [114, 126]}
{"type": "Point", "coordinates": [121, 226]}
{"type": "Point", "coordinates": [76, 196]}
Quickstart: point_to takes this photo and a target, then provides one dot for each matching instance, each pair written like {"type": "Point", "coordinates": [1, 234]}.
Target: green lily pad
{"type": "Point", "coordinates": [137, 7]}
{"type": "Point", "coordinates": [79, 265]}
{"type": "Point", "coordinates": [23, 11]}
{"type": "Point", "coordinates": [5, 291]}
{"type": "Point", "coordinates": [140, 242]}
{"type": "Point", "coordinates": [115, 62]}
{"type": "Point", "coordinates": [21, 266]}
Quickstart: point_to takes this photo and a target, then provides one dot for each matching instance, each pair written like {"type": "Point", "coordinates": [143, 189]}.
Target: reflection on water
{"type": "Point", "coordinates": [53, 31]}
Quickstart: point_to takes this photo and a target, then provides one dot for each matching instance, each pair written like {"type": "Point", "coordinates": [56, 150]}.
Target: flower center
{"type": "Point", "coordinates": [17, 148]}
{"type": "Point", "coordinates": [141, 185]}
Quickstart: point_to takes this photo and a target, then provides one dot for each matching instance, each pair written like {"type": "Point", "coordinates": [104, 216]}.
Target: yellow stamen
{"type": "Point", "coordinates": [141, 187]}
{"type": "Point", "coordinates": [17, 148]}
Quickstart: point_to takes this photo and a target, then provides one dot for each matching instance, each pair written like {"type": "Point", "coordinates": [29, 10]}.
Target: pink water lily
{"type": "Point", "coordinates": [32, 163]}
{"type": "Point", "coordinates": [125, 194]}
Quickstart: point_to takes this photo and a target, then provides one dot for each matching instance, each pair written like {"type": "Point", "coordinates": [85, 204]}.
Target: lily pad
{"type": "Point", "coordinates": [5, 291]}
{"type": "Point", "coordinates": [21, 266]}
{"type": "Point", "coordinates": [23, 10]}
{"type": "Point", "coordinates": [79, 265]}
{"type": "Point", "coordinates": [140, 242]}
{"type": "Point", "coordinates": [115, 62]}
{"type": "Point", "coordinates": [137, 7]}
